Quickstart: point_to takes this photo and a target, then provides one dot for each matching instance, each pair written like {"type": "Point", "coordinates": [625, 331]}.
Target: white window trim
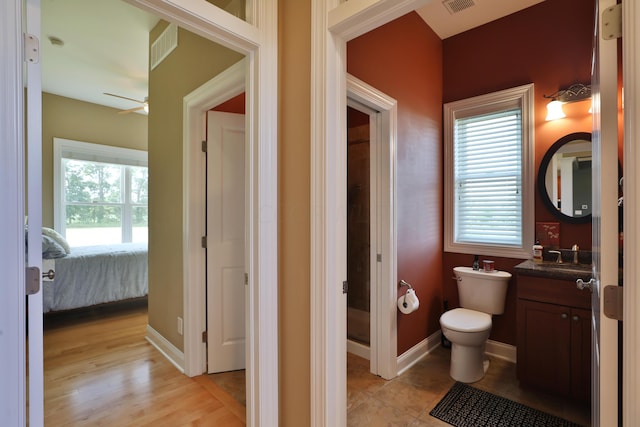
{"type": "Point", "coordinates": [521, 96]}
{"type": "Point", "coordinates": [91, 152]}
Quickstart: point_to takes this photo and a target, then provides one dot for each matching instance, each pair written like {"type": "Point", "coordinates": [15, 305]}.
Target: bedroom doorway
{"type": "Point", "coordinates": [165, 94]}
{"type": "Point", "coordinates": [258, 40]}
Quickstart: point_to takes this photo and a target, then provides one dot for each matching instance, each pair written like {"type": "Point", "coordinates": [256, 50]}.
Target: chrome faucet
{"type": "Point", "coordinates": [559, 260]}
{"type": "Point", "coordinates": [574, 249]}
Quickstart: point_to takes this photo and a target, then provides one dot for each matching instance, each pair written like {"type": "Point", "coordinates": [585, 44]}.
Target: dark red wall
{"type": "Point", "coordinates": [234, 105]}
{"type": "Point", "coordinates": [404, 60]}
{"type": "Point", "coordinates": [548, 44]}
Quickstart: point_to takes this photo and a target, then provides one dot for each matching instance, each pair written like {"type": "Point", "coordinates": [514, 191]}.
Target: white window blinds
{"type": "Point", "coordinates": [488, 178]}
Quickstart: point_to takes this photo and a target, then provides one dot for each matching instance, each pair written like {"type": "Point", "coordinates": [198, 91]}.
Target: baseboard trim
{"type": "Point", "coordinates": [168, 350]}
{"type": "Point", "coordinates": [501, 350]}
{"type": "Point", "coordinates": [412, 356]}
{"type": "Point", "coordinates": [358, 349]}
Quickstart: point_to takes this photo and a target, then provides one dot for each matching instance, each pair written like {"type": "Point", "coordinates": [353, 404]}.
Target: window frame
{"type": "Point", "coordinates": [94, 153]}
{"type": "Point", "coordinates": [522, 97]}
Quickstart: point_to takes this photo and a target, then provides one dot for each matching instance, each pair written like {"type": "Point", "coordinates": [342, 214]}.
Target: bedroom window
{"type": "Point", "coordinates": [100, 193]}
{"type": "Point", "coordinates": [489, 174]}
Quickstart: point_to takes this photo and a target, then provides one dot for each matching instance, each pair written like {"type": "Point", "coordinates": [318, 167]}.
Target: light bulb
{"type": "Point", "coordinates": [554, 110]}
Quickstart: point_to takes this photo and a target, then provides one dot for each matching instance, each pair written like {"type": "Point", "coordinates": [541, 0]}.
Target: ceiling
{"type": "Point", "coordinates": [471, 14]}
{"type": "Point", "coordinates": [106, 43]}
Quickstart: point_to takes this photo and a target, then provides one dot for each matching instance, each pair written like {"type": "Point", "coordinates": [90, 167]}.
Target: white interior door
{"type": "Point", "coordinates": [226, 289]}
{"type": "Point", "coordinates": [12, 247]}
{"type": "Point", "coordinates": [605, 224]}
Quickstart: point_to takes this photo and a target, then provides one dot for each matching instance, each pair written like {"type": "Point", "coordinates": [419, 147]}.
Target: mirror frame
{"type": "Point", "coordinates": [542, 171]}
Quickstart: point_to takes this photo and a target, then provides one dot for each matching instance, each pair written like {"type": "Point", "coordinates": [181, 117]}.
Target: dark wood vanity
{"type": "Point", "coordinates": [554, 330]}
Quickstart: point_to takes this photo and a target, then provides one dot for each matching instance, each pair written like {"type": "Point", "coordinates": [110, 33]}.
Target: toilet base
{"type": "Point", "coordinates": [468, 364]}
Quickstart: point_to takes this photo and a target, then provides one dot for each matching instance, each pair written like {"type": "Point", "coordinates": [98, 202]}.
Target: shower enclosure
{"type": "Point", "coordinates": [358, 227]}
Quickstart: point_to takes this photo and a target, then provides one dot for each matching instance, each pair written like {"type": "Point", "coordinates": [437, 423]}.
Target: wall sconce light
{"type": "Point", "coordinates": [576, 92]}
{"type": "Point", "coordinates": [555, 111]}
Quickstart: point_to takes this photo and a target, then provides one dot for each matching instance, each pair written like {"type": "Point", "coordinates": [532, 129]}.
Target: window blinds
{"type": "Point", "coordinates": [488, 178]}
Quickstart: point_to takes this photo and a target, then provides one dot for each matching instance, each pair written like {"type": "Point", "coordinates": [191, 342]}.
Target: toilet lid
{"type": "Point", "coordinates": [465, 320]}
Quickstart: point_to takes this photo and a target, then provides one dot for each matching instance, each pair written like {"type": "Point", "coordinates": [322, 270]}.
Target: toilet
{"type": "Point", "coordinates": [482, 294]}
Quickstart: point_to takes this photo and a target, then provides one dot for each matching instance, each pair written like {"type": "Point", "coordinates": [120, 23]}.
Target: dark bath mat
{"type": "Point", "coordinates": [466, 406]}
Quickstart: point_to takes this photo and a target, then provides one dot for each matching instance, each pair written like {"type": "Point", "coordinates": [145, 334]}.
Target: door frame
{"type": "Point", "coordinates": [383, 349]}
{"type": "Point", "coordinates": [219, 89]}
{"type": "Point", "coordinates": [631, 275]}
{"type": "Point", "coordinates": [333, 23]}
{"type": "Point", "coordinates": [226, 85]}
{"type": "Point", "coordinates": [259, 45]}
{"type": "Point", "coordinates": [34, 213]}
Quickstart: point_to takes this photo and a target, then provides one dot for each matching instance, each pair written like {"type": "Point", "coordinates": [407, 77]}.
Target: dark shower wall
{"type": "Point", "coordinates": [358, 226]}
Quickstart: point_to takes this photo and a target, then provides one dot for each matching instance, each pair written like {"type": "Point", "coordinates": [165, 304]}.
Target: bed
{"type": "Point", "coordinates": [92, 275]}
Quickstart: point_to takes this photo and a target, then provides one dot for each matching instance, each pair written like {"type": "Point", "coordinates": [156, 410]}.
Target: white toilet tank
{"type": "Point", "coordinates": [482, 291]}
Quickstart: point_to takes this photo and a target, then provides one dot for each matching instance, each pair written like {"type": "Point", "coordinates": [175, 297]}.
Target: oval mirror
{"type": "Point", "coordinates": [564, 178]}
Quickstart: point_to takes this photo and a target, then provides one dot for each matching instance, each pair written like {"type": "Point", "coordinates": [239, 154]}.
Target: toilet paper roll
{"type": "Point", "coordinates": [408, 303]}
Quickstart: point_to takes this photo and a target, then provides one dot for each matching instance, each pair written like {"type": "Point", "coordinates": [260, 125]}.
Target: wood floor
{"type": "Point", "coordinates": [100, 371]}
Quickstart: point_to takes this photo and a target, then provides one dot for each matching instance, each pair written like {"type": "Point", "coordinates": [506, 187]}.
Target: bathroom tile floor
{"type": "Point", "coordinates": [407, 399]}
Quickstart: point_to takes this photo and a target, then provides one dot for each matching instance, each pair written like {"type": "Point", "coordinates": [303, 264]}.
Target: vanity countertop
{"type": "Point", "coordinates": [553, 270]}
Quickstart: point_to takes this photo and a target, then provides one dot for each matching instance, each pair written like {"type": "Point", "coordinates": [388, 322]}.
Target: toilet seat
{"type": "Point", "coordinates": [465, 320]}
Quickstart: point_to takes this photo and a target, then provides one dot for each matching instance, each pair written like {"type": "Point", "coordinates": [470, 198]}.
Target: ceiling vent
{"type": "Point", "coordinates": [164, 45]}
{"type": "Point", "coordinates": [455, 6]}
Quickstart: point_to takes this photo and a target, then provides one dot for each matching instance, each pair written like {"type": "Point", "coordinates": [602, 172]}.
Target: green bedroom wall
{"type": "Point", "coordinates": [194, 62]}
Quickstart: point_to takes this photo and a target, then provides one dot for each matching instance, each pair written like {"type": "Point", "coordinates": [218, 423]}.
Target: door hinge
{"type": "Point", "coordinates": [32, 276]}
{"type": "Point", "coordinates": [204, 337]}
{"type": "Point", "coordinates": [613, 302]}
{"type": "Point", "coordinates": [246, 278]}
{"type": "Point", "coordinates": [345, 287]}
{"type": "Point", "coordinates": [203, 242]}
{"type": "Point", "coordinates": [31, 49]}
{"type": "Point", "coordinates": [204, 146]}
{"type": "Point", "coordinates": [612, 22]}
{"type": "Point", "coordinates": [379, 257]}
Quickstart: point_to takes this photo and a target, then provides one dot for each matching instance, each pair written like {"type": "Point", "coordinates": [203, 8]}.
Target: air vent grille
{"type": "Point", "coordinates": [455, 6]}
{"type": "Point", "coordinates": [164, 45]}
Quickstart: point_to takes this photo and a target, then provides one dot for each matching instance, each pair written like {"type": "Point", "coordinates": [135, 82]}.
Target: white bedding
{"type": "Point", "coordinates": [97, 274]}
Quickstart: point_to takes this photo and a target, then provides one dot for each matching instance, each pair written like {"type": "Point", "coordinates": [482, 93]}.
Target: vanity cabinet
{"type": "Point", "coordinates": [554, 336]}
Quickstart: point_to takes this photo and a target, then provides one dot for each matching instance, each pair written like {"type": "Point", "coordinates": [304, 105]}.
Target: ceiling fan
{"type": "Point", "coordinates": [144, 105]}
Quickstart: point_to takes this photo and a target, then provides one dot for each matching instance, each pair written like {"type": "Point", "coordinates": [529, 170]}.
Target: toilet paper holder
{"type": "Point", "coordinates": [410, 305]}
{"type": "Point", "coordinates": [403, 283]}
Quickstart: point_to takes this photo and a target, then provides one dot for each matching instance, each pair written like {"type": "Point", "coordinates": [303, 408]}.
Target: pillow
{"type": "Point", "coordinates": [51, 249]}
{"type": "Point", "coordinates": [56, 237]}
